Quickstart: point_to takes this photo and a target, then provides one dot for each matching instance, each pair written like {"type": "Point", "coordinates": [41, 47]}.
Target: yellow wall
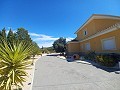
{"type": "Point", "coordinates": [96, 44]}
{"type": "Point", "coordinates": [94, 26]}
{"type": "Point", "coordinates": [73, 47]}
{"type": "Point", "coordinates": [101, 24]}
{"type": "Point", "coordinates": [89, 28]}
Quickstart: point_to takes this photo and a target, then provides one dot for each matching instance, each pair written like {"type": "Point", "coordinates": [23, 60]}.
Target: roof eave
{"type": "Point", "coordinates": [95, 16]}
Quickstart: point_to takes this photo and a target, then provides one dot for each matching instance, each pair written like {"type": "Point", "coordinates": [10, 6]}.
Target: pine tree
{"type": "Point", "coordinates": [22, 35]}
{"type": "Point", "coordinates": [3, 34]}
{"type": "Point", "coordinates": [11, 37]}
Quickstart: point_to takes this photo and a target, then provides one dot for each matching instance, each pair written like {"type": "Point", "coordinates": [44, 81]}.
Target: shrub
{"type": "Point", "coordinates": [109, 60]}
{"type": "Point", "coordinates": [106, 60]}
{"type": "Point", "coordinates": [91, 56]}
{"type": "Point", "coordinates": [116, 57]}
{"type": "Point", "coordinates": [13, 64]}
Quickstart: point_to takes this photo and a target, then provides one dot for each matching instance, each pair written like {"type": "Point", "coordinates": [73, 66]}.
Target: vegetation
{"type": "Point", "coordinates": [50, 49]}
{"type": "Point", "coordinates": [47, 50]}
{"type": "Point", "coordinates": [36, 49]}
{"type": "Point", "coordinates": [91, 56]}
{"type": "Point", "coordinates": [59, 45]}
{"type": "Point", "coordinates": [22, 35]}
{"type": "Point", "coordinates": [3, 35]}
{"type": "Point", "coordinates": [13, 63]}
{"type": "Point", "coordinates": [108, 60]}
{"type": "Point", "coordinates": [14, 51]}
{"type": "Point", "coordinates": [11, 37]}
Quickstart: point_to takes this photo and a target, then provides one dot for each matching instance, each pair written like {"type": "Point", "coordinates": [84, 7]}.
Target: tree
{"type": "Point", "coordinates": [22, 35]}
{"type": "Point", "coordinates": [36, 49]}
{"type": "Point", "coordinates": [3, 34]}
{"type": "Point", "coordinates": [13, 64]}
{"type": "Point", "coordinates": [59, 45]}
{"type": "Point", "coordinates": [11, 37]}
{"type": "Point", "coordinates": [14, 50]}
{"type": "Point", "coordinates": [50, 49]}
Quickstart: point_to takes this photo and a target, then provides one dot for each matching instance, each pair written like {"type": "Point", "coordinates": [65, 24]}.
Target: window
{"type": "Point", "coordinates": [85, 32]}
{"type": "Point", "coordinates": [81, 46]}
{"type": "Point", "coordinates": [109, 44]}
{"type": "Point", "coordinates": [87, 46]}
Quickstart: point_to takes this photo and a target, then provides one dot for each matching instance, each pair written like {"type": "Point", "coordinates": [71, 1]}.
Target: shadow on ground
{"type": "Point", "coordinates": [89, 62]}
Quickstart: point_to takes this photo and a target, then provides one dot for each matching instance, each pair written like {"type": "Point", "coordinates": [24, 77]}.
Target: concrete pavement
{"type": "Point", "coordinates": [52, 73]}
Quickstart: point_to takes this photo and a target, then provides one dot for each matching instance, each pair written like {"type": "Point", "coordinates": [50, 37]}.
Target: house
{"type": "Point", "coordinates": [100, 33]}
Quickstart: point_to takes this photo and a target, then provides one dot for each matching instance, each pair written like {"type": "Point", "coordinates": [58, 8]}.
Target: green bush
{"type": "Point", "coordinates": [109, 59]}
{"type": "Point", "coordinates": [116, 57]}
{"type": "Point", "coordinates": [106, 60]}
{"type": "Point", "coordinates": [90, 56]}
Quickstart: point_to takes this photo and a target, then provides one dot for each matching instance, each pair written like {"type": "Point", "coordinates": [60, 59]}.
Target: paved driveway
{"type": "Point", "coordinates": [53, 73]}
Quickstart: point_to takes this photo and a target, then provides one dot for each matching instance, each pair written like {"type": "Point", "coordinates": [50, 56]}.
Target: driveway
{"type": "Point", "coordinates": [52, 73]}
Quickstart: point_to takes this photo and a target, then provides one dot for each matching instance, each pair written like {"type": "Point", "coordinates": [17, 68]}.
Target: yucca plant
{"type": "Point", "coordinates": [13, 63]}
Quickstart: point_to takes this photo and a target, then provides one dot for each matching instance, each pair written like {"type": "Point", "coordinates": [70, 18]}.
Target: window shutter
{"type": "Point", "coordinates": [109, 44]}
{"type": "Point", "coordinates": [87, 46]}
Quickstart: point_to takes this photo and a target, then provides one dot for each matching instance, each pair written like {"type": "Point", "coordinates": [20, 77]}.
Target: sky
{"type": "Point", "coordinates": [47, 20]}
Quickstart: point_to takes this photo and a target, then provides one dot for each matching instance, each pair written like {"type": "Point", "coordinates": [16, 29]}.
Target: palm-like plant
{"type": "Point", "coordinates": [13, 63]}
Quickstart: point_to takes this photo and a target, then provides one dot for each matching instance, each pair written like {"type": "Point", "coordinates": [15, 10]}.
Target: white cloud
{"type": "Point", "coordinates": [69, 39]}
{"type": "Point", "coordinates": [42, 37]}
{"type": "Point", "coordinates": [45, 40]}
{"type": "Point", "coordinates": [34, 34]}
{"type": "Point", "coordinates": [45, 44]}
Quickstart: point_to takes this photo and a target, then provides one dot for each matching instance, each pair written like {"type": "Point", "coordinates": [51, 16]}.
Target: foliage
{"type": "Point", "coordinates": [116, 57]}
{"type": "Point", "coordinates": [15, 48]}
{"type": "Point", "coordinates": [36, 49]}
{"type": "Point", "coordinates": [106, 60]}
{"type": "Point", "coordinates": [44, 50]}
{"type": "Point", "coordinates": [47, 50]}
{"type": "Point", "coordinates": [22, 35]}
{"type": "Point", "coordinates": [11, 37]}
{"type": "Point", "coordinates": [50, 49]}
{"type": "Point", "coordinates": [90, 55]}
{"type": "Point", "coordinates": [13, 63]}
{"type": "Point", "coordinates": [2, 35]}
{"type": "Point", "coordinates": [59, 45]}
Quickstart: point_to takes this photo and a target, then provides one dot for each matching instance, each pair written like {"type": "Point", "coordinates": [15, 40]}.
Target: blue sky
{"type": "Point", "coordinates": [47, 20]}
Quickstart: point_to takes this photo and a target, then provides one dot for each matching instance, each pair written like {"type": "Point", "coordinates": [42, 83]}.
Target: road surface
{"type": "Point", "coordinates": [52, 73]}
